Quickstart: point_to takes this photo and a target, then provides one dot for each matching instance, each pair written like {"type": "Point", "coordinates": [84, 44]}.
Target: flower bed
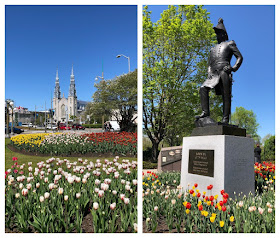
{"type": "Point", "coordinates": [29, 142]}
{"type": "Point", "coordinates": [124, 143]}
{"type": "Point", "coordinates": [59, 196]}
{"type": "Point", "coordinates": [166, 208]}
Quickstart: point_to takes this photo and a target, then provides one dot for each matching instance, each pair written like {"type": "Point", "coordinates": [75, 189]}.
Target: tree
{"type": "Point", "coordinates": [267, 136]}
{"type": "Point", "coordinates": [269, 148]}
{"type": "Point", "coordinates": [246, 119]}
{"type": "Point", "coordinates": [117, 98]}
{"type": "Point", "coordinates": [175, 52]}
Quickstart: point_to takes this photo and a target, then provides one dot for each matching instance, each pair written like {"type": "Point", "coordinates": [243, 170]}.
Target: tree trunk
{"type": "Point", "coordinates": [155, 151]}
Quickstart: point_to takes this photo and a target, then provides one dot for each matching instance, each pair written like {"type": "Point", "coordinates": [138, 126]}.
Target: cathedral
{"type": "Point", "coordinates": [66, 109]}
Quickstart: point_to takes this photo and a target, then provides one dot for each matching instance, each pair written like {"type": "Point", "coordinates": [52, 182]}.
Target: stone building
{"type": "Point", "coordinates": [66, 109]}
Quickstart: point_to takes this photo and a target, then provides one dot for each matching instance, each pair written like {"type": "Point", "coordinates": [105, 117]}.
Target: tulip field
{"type": "Point", "coordinates": [67, 144]}
{"type": "Point", "coordinates": [62, 196]}
{"type": "Point", "coordinates": [166, 208]}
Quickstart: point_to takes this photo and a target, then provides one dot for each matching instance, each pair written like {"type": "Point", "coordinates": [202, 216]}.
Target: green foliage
{"type": "Point", "coordinates": [149, 165]}
{"type": "Point", "coordinates": [269, 148]}
{"type": "Point", "coordinates": [116, 98]}
{"type": "Point", "coordinates": [175, 52]}
{"type": "Point", "coordinates": [92, 125]}
{"type": "Point", "coordinates": [246, 119]}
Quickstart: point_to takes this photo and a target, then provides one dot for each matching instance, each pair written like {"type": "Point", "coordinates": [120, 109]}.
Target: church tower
{"type": "Point", "coordinates": [72, 97]}
{"type": "Point", "coordinates": [57, 96]}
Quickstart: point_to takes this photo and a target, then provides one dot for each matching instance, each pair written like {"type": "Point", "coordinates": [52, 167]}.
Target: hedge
{"type": "Point", "coordinates": [92, 125]}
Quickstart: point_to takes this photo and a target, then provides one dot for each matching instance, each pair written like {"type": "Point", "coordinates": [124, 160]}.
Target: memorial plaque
{"type": "Point", "coordinates": [169, 156]}
{"type": "Point", "coordinates": [201, 162]}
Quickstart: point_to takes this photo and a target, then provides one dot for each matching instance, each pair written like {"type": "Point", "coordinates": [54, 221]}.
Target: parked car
{"type": "Point", "coordinates": [30, 125]}
{"type": "Point", "coordinates": [50, 126]}
{"type": "Point", "coordinates": [77, 127]}
{"type": "Point", "coordinates": [15, 130]}
{"type": "Point", "coordinates": [114, 126]}
{"type": "Point", "coordinates": [63, 126]}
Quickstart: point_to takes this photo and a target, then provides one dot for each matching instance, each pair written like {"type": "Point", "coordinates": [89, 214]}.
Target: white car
{"type": "Point", "coordinates": [31, 125]}
{"type": "Point", "coordinates": [114, 125]}
{"type": "Point", "coordinates": [49, 126]}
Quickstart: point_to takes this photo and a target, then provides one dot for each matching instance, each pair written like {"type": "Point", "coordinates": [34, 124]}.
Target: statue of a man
{"type": "Point", "coordinates": [219, 72]}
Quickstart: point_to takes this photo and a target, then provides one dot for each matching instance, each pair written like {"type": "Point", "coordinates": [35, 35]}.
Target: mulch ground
{"type": "Point", "coordinates": [88, 155]}
{"type": "Point", "coordinates": [162, 227]}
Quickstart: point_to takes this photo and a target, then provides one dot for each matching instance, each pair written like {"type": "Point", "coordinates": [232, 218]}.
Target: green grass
{"type": "Point", "coordinates": [35, 159]}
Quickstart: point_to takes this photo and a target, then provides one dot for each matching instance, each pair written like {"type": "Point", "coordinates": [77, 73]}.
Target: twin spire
{"type": "Point", "coordinates": [72, 72]}
{"type": "Point", "coordinates": [72, 89]}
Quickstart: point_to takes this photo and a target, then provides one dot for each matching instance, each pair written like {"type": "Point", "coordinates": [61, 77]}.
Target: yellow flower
{"type": "Point", "coordinates": [231, 219]}
{"type": "Point", "coordinates": [157, 180]}
{"type": "Point", "coordinates": [222, 223]}
{"type": "Point", "coordinates": [148, 178]}
{"type": "Point", "coordinates": [212, 219]}
{"type": "Point", "coordinates": [216, 197]}
{"type": "Point", "coordinates": [193, 187]}
{"type": "Point", "coordinates": [188, 211]}
{"type": "Point", "coordinates": [208, 203]}
{"type": "Point", "coordinates": [143, 183]}
{"type": "Point", "coordinates": [159, 183]}
{"type": "Point", "coordinates": [214, 215]}
{"type": "Point", "coordinates": [204, 213]}
{"type": "Point", "coordinates": [185, 203]}
{"type": "Point", "coordinates": [204, 193]}
{"type": "Point", "coordinates": [193, 194]}
{"type": "Point", "coordinates": [197, 190]}
{"type": "Point", "coordinates": [220, 208]}
{"type": "Point", "coordinates": [153, 184]}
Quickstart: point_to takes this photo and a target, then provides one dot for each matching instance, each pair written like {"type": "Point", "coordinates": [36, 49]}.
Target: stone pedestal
{"type": "Point", "coordinates": [169, 159]}
{"type": "Point", "coordinates": [225, 161]}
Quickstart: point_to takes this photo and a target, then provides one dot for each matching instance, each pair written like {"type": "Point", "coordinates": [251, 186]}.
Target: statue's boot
{"type": "Point", "coordinates": [226, 110]}
{"type": "Point", "coordinates": [204, 98]}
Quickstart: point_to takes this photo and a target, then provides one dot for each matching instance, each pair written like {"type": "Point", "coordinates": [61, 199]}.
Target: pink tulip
{"type": "Point", "coordinates": [113, 206]}
{"type": "Point", "coordinates": [24, 191]}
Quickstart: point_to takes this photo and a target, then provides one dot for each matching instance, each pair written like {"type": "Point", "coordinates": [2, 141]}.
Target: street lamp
{"type": "Point", "coordinates": [98, 77]}
{"type": "Point", "coordinates": [9, 105]}
{"type": "Point", "coordinates": [118, 56]}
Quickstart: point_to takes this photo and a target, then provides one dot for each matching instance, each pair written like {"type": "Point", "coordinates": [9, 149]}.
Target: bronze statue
{"type": "Point", "coordinates": [219, 75]}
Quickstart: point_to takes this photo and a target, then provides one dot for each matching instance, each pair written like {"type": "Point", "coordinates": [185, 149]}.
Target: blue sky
{"type": "Point", "coordinates": [41, 38]}
{"type": "Point", "coordinates": [253, 30]}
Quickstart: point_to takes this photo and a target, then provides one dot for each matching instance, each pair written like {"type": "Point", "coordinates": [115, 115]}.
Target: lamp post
{"type": "Point", "coordinates": [128, 59]}
{"type": "Point", "coordinates": [9, 105]}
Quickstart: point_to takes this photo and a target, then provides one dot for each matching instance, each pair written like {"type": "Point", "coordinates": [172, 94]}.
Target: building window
{"type": "Point", "coordinates": [63, 110]}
